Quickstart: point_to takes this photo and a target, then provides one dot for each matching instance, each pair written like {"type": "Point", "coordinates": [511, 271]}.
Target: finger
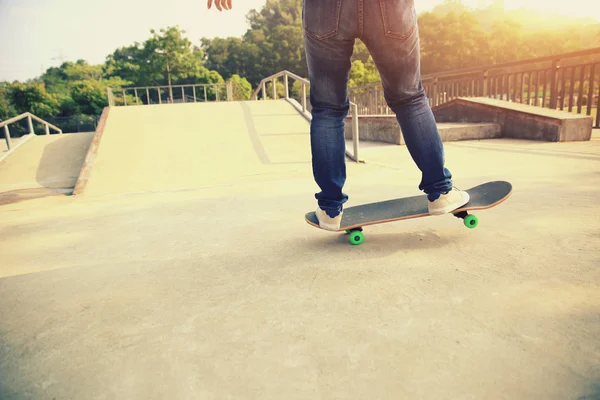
{"type": "Point", "coordinates": [229, 4]}
{"type": "Point", "coordinates": [209, 4]}
{"type": "Point", "coordinates": [218, 4]}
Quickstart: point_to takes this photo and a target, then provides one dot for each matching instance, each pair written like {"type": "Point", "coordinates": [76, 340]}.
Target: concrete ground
{"type": "Point", "coordinates": [222, 291]}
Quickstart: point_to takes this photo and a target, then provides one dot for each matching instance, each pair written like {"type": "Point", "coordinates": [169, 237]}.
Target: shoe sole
{"type": "Point", "coordinates": [448, 209]}
{"type": "Point", "coordinates": [326, 226]}
{"type": "Point", "coordinates": [329, 227]}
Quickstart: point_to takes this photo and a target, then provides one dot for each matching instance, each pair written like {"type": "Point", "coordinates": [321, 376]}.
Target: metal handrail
{"type": "Point", "coordinates": [262, 86]}
{"type": "Point", "coordinates": [556, 82]}
{"type": "Point", "coordinates": [30, 117]}
{"type": "Point", "coordinates": [174, 86]}
{"type": "Point", "coordinates": [555, 57]}
{"type": "Point", "coordinates": [170, 96]}
{"type": "Point", "coordinates": [487, 67]}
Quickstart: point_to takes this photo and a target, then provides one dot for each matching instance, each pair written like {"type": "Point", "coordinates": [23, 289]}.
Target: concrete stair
{"type": "Point", "coordinates": [385, 129]}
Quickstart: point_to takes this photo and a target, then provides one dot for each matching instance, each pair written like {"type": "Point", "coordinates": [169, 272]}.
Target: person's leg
{"type": "Point", "coordinates": [329, 43]}
{"type": "Point", "coordinates": [393, 41]}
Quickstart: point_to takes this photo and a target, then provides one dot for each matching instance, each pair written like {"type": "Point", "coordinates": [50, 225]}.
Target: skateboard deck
{"type": "Point", "coordinates": [483, 196]}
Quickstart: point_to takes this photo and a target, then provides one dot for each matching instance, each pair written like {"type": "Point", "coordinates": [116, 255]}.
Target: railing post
{"type": "Point", "coordinates": [287, 87]}
{"type": "Point", "coordinates": [274, 83]}
{"type": "Point", "coordinates": [194, 87]}
{"type": "Point", "coordinates": [435, 92]}
{"type": "Point", "coordinates": [137, 100]}
{"type": "Point", "coordinates": [7, 137]}
{"type": "Point", "coordinates": [230, 91]}
{"type": "Point", "coordinates": [124, 98]}
{"type": "Point", "coordinates": [553, 91]}
{"type": "Point", "coordinates": [30, 124]}
{"type": "Point", "coordinates": [182, 94]}
{"type": "Point", "coordinates": [47, 129]}
{"type": "Point", "coordinates": [264, 90]}
{"type": "Point", "coordinates": [148, 95]}
{"type": "Point", "coordinates": [597, 114]}
{"type": "Point", "coordinates": [111, 101]}
{"type": "Point", "coordinates": [303, 97]}
{"type": "Point", "coordinates": [159, 96]}
{"type": "Point", "coordinates": [590, 98]}
{"type": "Point", "coordinates": [581, 84]}
{"type": "Point", "coordinates": [355, 135]}
{"type": "Point", "coordinates": [486, 83]}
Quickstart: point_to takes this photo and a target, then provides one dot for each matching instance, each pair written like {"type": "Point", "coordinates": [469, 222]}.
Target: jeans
{"type": "Point", "coordinates": [390, 32]}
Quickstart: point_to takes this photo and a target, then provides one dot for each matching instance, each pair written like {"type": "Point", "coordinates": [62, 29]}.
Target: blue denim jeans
{"type": "Point", "coordinates": [389, 30]}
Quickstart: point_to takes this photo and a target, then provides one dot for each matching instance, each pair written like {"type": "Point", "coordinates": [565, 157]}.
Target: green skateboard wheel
{"type": "Point", "coordinates": [356, 238]}
{"type": "Point", "coordinates": [471, 221]}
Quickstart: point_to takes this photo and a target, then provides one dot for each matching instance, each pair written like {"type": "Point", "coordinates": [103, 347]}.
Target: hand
{"type": "Point", "coordinates": [220, 4]}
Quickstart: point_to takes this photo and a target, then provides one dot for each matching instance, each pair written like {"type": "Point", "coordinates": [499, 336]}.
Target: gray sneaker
{"type": "Point", "coordinates": [448, 202]}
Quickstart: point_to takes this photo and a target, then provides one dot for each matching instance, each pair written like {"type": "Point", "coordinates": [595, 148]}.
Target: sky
{"type": "Point", "coordinates": [38, 34]}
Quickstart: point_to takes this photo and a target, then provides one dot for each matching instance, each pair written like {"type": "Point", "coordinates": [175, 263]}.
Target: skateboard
{"type": "Point", "coordinates": [483, 196]}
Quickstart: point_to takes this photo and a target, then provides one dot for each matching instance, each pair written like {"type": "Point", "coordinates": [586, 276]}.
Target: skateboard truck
{"type": "Point", "coordinates": [470, 220]}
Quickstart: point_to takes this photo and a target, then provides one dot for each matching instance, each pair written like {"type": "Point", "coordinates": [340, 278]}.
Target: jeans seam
{"type": "Point", "coordinates": [386, 30]}
{"type": "Point", "coordinates": [361, 25]}
{"type": "Point", "coordinates": [335, 29]}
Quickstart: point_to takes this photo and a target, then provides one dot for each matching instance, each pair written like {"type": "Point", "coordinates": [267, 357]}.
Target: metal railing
{"type": "Point", "coordinates": [75, 123]}
{"type": "Point", "coordinates": [30, 118]}
{"type": "Point", "coordinates": [303, 106]}
{"type": "Point", "coordinates": [192, 93]}
{"type": "Point", "coordinates": [568, 81]}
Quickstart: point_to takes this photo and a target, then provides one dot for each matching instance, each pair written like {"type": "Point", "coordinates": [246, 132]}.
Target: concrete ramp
{"type": "Point", "coordinates": [186, 146]}
{"type": "Point", "coordinates": [43, 166]}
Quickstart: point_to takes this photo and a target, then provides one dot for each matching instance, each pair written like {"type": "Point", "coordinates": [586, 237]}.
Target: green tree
{"type": "Point", "coordinates": [276, 13]}
{"type": "Point", "coordinates": [166, 58]}
{"type": "Point", "coordinates": [363, 73]}
{"type": "Point", "coordinates": [506, 41]}
{"type": "Point", "coordinates": [171, 56]}
{"type": "Point", "coordinates": [451, 41]}
{"type": "Point", "coordinates": [273, 43]}
{"type": "Point", "coordinates": [452, 37]}
{"type": "Point", "coordinates": [287, 48]}
{"type": "Point", "coordinates": [228, 56]}
{"type": "Point", "coordinates": [127, 63]}
{"type": "Point", "coordinates": [242, 90]}
{"type": "Point", "coordinates": [360, 51]}
{"type": "Point", "coordinates": [71, 79]}
{"type": "Point", "coordinates": [450, 7]}
{"type": "Point", "coordinates": [80, 88]}
{"type": "Point", "coordinates": [33, 97]}
{"type": "Point", "coordinates": [91, 96]}
{"type": "Point", "coordinates": [7, 109]}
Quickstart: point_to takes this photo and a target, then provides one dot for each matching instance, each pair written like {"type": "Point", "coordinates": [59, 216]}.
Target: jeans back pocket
{"type": "Point", "coordinates": [321, 18]}
{"type": "Point", "coordinates": [399, 18]}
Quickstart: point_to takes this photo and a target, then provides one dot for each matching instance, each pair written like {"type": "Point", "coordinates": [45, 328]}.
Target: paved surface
{"type": "Point", "coordinates": [222, 291]}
